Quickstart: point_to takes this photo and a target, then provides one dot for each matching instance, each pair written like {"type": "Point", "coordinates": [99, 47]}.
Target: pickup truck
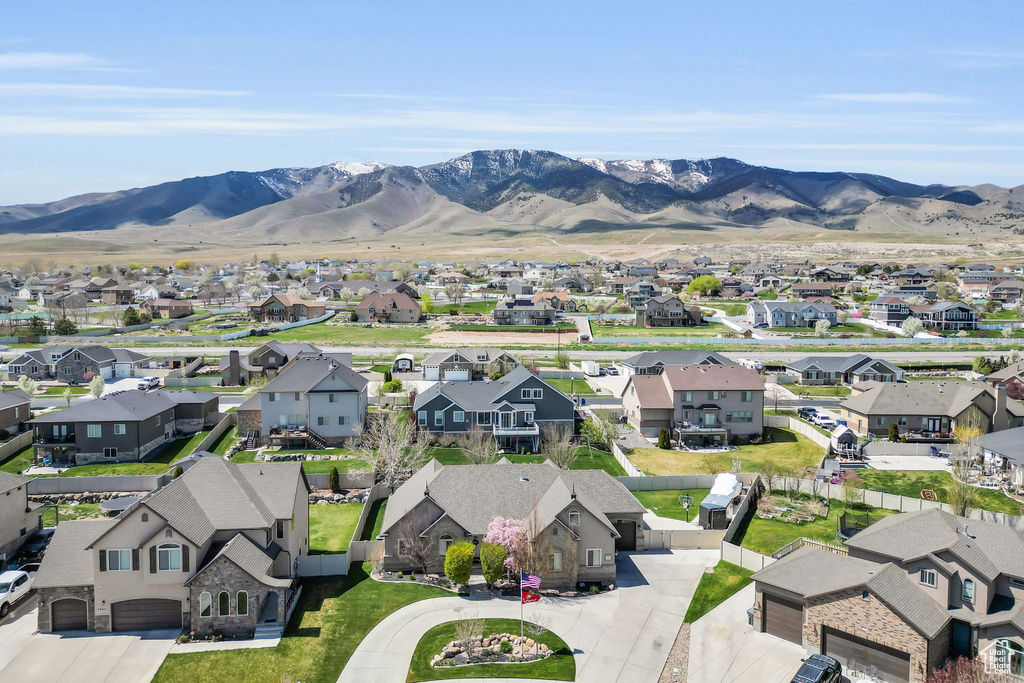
{"type": "Point", "coordinates": [14, 585]}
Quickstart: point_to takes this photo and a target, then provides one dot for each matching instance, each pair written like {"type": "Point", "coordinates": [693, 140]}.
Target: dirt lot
{"type": "Point", "coordinates": [457, 338]}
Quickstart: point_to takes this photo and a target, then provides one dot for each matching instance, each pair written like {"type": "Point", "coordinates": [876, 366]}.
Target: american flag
{"type": "Point", "coordinates": [529, 580]}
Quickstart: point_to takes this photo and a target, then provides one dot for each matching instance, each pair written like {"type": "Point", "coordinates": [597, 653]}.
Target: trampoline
{"type": "Point", "coordinates": [852, 523]}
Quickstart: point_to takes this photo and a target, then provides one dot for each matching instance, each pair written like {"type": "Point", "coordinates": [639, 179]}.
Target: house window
{"type": "Point", "coordinates": [94, 431]}
{"type": "Point", "coordinates": [242, 603]}
{"type": "Point", "coordinates": [901, 421]}
{"type": "Point", "coordinates": [746, 396]}
{"type": "Point", "coordinates": [119, 560]}
{"type": "Point", "coordinates": [421, 418]}
{"type": "Point", "coordinates": [321, 421]}
{"type": "Point", "coordinates": [145, 516]}
{"type": "Point", "coordinates": [168, 557]}
{"type": "Point", "coordinates": [593, 557]}
{"type": "Point", "coordinates": [205, 604]}
{"type": "Point", "coordinates": [332, 398]}
{"type": "Point", "coordinates": [1017, 583]}
{"type": "Point", "coordinates": [928, 577]}
{"type": "Point", "coordinates": [271, 359]}
{"type": "Point", "coordinates": [967, 592]}
{"type": "Point", "coordinates": [67, 370]}
{"type": "Point", "coordinates": [483, 419]}
{"type": "Point", "coordinates": [458, 416]}
{"type": "Point", "coordinates": [439, 418]}
{"type": "Point", "coordinates": [271, 396]}
{"type": "Point", "coordinates": [714, 395]}
{"type": "Point", "coordinates": [687, 396]}
{"type": "Point", "coordinates": [879, 421]}
{"type": "Point", "coordinates": [120, 429]}
{"type": "Point", "coordinates": [223, 604]}
{"type": "Point", "coordinates": [555, 562]}
{"type": "Point", "coordinates": [344, 420]}
{"type": "Point", "coordinates": [109, 452]}
{"type": "Point", "coordinates": [574, 518]}
{"type": "Point", "coordinates": [280, 528]}
{"type": "Point", "coordinates": [158, 420]}
{"type": "Point", "coordinates": [529, 394]}
{"type": "Point", "coordinates": [297, 396]}
{"type": "Point", "coordinates": [445, 543]}
{"type": "Point", "coordinates": [528, 417]}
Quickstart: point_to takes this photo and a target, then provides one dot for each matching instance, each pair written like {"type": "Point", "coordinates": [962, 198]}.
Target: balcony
{"type": "Point", "coordinates": [698, 428]}
{"type": "Point", "coordinates": [522, 430]}
{"type": "Point", "coordinates": [52, 440]}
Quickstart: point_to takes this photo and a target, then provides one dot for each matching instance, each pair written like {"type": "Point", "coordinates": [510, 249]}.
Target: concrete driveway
{"type": "Point", "coordinates": [621, 636]}
{"type": "Point", "coordinates": [77, 657]}
{"type": "Point", "coordinates": [725, 649]}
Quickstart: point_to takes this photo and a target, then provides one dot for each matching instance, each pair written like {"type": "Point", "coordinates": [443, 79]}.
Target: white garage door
{"type": "Point", "coordinates": [122, 370]}
{"type": "Point", "coordinates": [431, 372]}
{"type": "Point", "coordinates": [106, 372]}
{"type": "Point", "coordinates": [456, 375]}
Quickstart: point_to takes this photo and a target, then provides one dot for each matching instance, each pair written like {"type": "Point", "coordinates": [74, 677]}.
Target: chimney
{"type": "Point", "coordinates": [234, 369]}
{"type": "Point", "coordinates": [999, 417]}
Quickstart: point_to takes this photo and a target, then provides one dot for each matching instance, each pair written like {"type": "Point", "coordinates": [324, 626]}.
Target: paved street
{"type": "Point", "coordinates": [622, 636]}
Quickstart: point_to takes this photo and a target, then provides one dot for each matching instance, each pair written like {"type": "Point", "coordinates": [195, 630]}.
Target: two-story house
{"type": "Point", "coordinates": [577, 519]}
{"type": "Point", "coordinates": [942, 316]}
{"type": "Point", "coordinates": [118, 295]}
{"type": "Point", "coordinates": [655, 362]}
{"type": "Point", "coordinates": [214, 551]}
{"type": "Point", "coordinates": [19, 518]}
{"type": "Point", "coordinates": [845, 370]}
{"type": "Point", "coordinates": [15, 411]}
{"type": "Point", "coordinates": [285, 308]}
{"type": "Point", "coordinates": [667, 311]}
{"type": "Point", "coordinates": [392, 307]}
{"type": "Point", "coordinates": [515, 409]}
{"type": "Point", "coordinates": [316, 401]}
{"type": "Point", "coordinates": [790, 313]}
{"type": "Point", "coordinates": [167, 308]}
{"type": "Point", "coordinates": [516, 311]}
{"type": "Point", "coordinates": [77, 364]}
{"type": "Point", "coordinates": [929, 410]}
{"type": "Point", "coordinates": [463, 364]}
{"type": "Point", "coordinates": [640, 293]}
{"type": "Point", "coordinates": [702, 404]}
{"type": "Point", "coordinates": [915, 589]}
{"type": "Point", "coordinates": [125, 427]}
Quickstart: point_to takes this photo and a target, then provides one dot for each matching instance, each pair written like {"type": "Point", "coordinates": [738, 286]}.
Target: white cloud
{"type": "Point", "coordinates": [51, 60]}
{"type": "Point", "coordinates": [892, 98]}
{"type": "Point", "coordinates": [109, 91]}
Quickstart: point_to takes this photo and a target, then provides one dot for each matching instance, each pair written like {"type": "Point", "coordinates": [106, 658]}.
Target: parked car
{"type": "Point", "coordinates": [825, 422]}
{"type": "Point", "coordinates": [819, 669]}
{"type": "Point", "coordinates": [4, 347]}
{"type": "Point", "coordinates": [147, 383]}
{"type": "Point", "coordinates": [36, 545]}
{"type": "Point", "coordinates": [807, 413]}
{"type": "Point", "coordinates": [613, 371]}
{"type": "Point", "coordinates": [14, 585]}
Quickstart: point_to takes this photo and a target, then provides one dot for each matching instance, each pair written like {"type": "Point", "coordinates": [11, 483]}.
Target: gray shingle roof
{"type": "Point", "coordinates": [308, 371]}
{"type": "Point", "coordinates": [248, 557]}
{"type": "Point", "coordinates": [128, 407]}
{"type": "Point", "coordinates": [10, 481]}
{"type": "Point", "coordinates": [920, 398]}
{"type": "Point", "coordinates": [475, 395]}
{"type": "Point", "coordinates": [13, 397]}
{"type": "Point", "coordinates": [651, 358]}
{"type": "Point", "coordinates": [829, 363]}
{"type": "Point", "coordinates": [68, 562]}
{"type": "Point", "coordinates": [473, 495]}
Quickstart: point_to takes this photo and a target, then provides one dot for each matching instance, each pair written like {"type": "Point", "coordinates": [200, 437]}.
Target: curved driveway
{"type": "Point", "coordinates": [621, 636]}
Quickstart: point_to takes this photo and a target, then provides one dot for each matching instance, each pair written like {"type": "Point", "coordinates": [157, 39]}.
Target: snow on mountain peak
{"type": "Point", "coordinates": [357, 167]}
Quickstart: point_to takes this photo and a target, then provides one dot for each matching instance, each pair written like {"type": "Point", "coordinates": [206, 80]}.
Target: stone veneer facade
{"type": "Point", "coordinates": [47, 596]}
{"type": "Point", "coordinates": [849, 612]}
{"type": "Point", "coordinates": [223, 575]}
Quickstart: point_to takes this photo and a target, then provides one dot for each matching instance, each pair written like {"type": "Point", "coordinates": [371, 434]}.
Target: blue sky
{"type": "Point", "coordinates": [110, 95]}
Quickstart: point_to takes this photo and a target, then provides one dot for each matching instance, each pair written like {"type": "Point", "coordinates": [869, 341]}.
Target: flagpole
{"type": "Point", "coordinates": [522, 644]}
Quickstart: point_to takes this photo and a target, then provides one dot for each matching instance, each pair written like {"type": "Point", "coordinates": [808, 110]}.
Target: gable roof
{"type": "Point", "coordinates": [130, 406]}
{"type": "Point", "coordinates": [248, 557]}
{"type": "Point", "coordinates": [651, 358]}
{"type": "Point", "coordinates": [13, 397]}
{"type": "Point", "coordinates": [306, 371]}
{"type": "Point", "coordinates": [475, 395]}
{"type": "Point", "coordinates": [10, 481]}
{"type": "Point", "coordinates": [400, 299]}
{"type": "Point", "coordinates": [921, 398]}
{"type": "Point", "coordinates": [68, 561]}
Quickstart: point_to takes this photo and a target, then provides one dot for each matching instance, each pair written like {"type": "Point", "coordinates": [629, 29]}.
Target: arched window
{"type": "Point", "coordinates": [168, 557]}
{"type": "Point", "coordinates": [445, 543]}
{"type": "Point", "coordinates": [1014, 653]}
{"type": "Point", "coordinates": [242, 603]}
{"type": "Point", "coordinates": [574, 517]}
{"type": "Point", "coordinates": [205, 604]}
{"type": "Point", "coordinates": [967, 593]}
{"type": "Point", "coordinates": [223, 604]}
{"type": "Point", "coordinates": [145, 516]}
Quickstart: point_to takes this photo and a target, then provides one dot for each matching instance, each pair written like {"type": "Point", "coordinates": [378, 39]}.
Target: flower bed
{"type": "Point", "coordinates": [503, 648]}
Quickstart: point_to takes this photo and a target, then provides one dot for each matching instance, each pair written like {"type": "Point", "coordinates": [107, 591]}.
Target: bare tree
{"type": "Point", "coordinates": [712, 463]}
{"type": "Point", "coordinates": [775, 392]}
{"type": "Point", "coordinates": [469, 630]}
{"type": "Point", "coordinates": [420, 551]}
{"type": "Point", "coordinates": [557, 445]}
{"type": "Point", "coordinates": [392, 447]}
{"type": "Point", "coordinates": [538, 625]}
{"type": "Point", "coordinates": [770, 473]}
{"type": "Point", "coordinates": [963, 495]}
{"type": "Point", "coordinates": [456, 292]}
{"type": "Point", "coordinates": [479, 446]}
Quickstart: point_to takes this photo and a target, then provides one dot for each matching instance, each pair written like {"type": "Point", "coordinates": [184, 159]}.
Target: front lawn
{"type": "Point", "coordinates": [331, 527]}
{"type": "Point", "coordinates": [612, 330]}
{"type": "Point", "coordinates": [333, 616]}
{"type": "Point", "coordinates": [374, 520]}
{"type": "Point", "coordinates": [58, 392]}
{"type": "Point", "coordinates": [560, 666]}
{"type": "Point", "coordinates": [765, 536]}
{"type": "Point", "coordinates": [789, 450]}
{"type": "Point", "coordinates": [572, 386]}
{"type": "Point", "coordinates": [910, 484]}
{"type": "Point", "coordinates": [666, 503]}
{"type": "Point", "coordinates": [715, 588]}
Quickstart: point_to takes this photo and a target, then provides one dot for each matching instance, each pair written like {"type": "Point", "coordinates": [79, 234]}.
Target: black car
{"type": "Point", "coordinates": [36, 545]}
{"type": "Point", "coordinates": [819, 669]}
{"type": "Point", "coordinates": [807, 413]}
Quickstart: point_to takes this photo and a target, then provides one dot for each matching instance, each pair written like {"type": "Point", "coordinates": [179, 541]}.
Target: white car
{"type": "Point", "coordinates": [14, 585]}
{"type": "Point", "coordinates": [147, 383]}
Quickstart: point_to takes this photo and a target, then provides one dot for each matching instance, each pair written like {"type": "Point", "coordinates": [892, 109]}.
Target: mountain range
{"type": "Point", "coordinates": [502, 193]}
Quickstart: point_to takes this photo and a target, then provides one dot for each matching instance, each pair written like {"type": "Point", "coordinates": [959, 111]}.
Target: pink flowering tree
{"type": "Point", "coordinates": [511, 535]}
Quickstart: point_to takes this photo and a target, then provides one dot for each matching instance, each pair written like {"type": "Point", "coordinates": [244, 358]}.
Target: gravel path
{"type": "Point", "coordinates": [678, 658]}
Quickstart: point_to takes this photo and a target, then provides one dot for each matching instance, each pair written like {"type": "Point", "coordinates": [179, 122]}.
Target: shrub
{"type": "Point", "coordinates": [333, 482]}
{"type": "Point", "coordinates": [178, 471]}
{"type": "Point", "coordinates": [664, 439]}
{"type": "Point", "coordinates": [392, 386]}
{"type": "Point", "coordinates": [492, 561]}
{"type": "Point", "coordinates": [505, 647]}
{"type": "Point", "coordinates": [595, 589]}
{"type": "Point", "coordinates": [458, 561]}
{"type": "Point", "coordinates": [353, 317]}
{"type": "Point", "coordinates": [387, 376]}
{"type": "Point", "coordinates": [894, 432]}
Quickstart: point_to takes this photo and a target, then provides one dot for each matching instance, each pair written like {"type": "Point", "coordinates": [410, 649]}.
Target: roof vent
{"type": "Point", "coordinates": [965, 532]}
{"type": "Point", "coordinates": [573, 494]}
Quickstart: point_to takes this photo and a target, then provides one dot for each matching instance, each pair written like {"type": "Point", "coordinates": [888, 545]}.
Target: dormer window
{"type": "Point", "coordinates": [967, 592]}
{"type": "Point", "coordinates": [574, 517]}
{"type": "Point", "coordinates": [928, 578]}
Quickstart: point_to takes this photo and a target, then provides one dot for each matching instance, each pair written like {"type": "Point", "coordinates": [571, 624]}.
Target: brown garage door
{"type": "Point", "coordinates": [783, 618]}
{"type": "Point", "coordinates": [627, 535]}
{"type": "Point", "coordinates": [69, 614]}
{"type": "Point", "coordinates": [893, 665]}
{"type": "Point", "coordinates": [145, 615]}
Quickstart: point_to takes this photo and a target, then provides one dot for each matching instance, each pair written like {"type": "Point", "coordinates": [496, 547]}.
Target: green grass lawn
{"type": "Point", "coordinates": [217, 390]}
{"type": "Point", "coordinates": [560, 666]}
{"type": "Point", "coordinates": [765, 536]}
{"type": "Point", "coordinates": [167, 456]}
{"type": "Point", "coordinates": [333, 616]}
{"type": "Point", "coordinates": [666, 503]}
{"type": "Point", "coordinates": [1000, 315]}
{"type": "Point", "coordinates": [789, 450]}
{"type": "Point", "coordinates": [313, 466]}
{"type": "Point", "coordinates": [715, 588]}
{"type": "Point", "coordinates": [331, 527]}
{"type": "Point", "coordinates": [610, 330]}
{"type": "Point", "coordinates": [477, 306]}
{"type": "Point", "coordinates": [820, 390]}
{"type": "Point", "coordinates": [19, 461]}
{"type": "Point", "coordinates": [910, 484]}
{"type": "Point", "coordinates": [565, 327]}
{"type": "Point", "coordinates": [600, 460]}
{"type": "Point", "coordinates": [569, 386]}
{"type": "Point", "coordinates": [59, 391]}
{"type": "Point", "coordinates": [71, 512]}
{"type": "Point", "coordinates": [729, 308]}
{"type": "Point", "coordinates": [224, 442]}
{"type": "Point", "coordinates": [374, 520]}
{"type": "Point", "coordinates": [354, 335]}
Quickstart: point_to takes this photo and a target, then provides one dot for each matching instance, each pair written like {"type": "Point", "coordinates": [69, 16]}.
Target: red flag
{"type": "Point", "coordinates": [529, 597]}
